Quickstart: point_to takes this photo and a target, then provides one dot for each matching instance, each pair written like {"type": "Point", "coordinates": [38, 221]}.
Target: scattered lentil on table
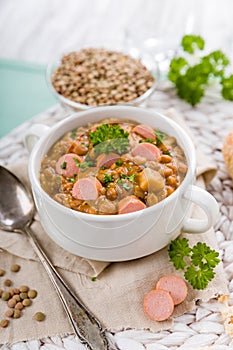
{"type": "Point", "coordinates": [16, 298]}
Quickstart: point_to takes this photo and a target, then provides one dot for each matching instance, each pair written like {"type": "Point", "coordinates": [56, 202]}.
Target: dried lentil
{"type": "Point", "coordinates": [32, 293]}
{"type": "Point", "coordinates": [23, 295]}
{"type": "Point", "coordinates": [39, 316]}
{"type": "Point", "coordinates": [5, 296]}
{"type": "Point", "coordinates": [15, 268]}
{"type": "Point", "coordinates": [11, 302]}
{"type": "Point", "coordinates": [16, 297]}
{"type": "Point", "coordinates": [9, 313]}
{"type": "Point", "coordinates": [23, 289]}
{"type": "Point", "coordinates": [26, 302]}
{"type": "Point", "coordinates": [19, 306]}
{"type": "Point", "coordinates": [17, 314]}
{"type": "Point", "coordinates": [101, 77]}
{"type": "Point", "coordinates": [4, 323]}
{"type": "Point", "coordinates": [7, 283]}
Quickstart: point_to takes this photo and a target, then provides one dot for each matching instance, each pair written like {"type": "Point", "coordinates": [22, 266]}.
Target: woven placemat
{"type": "Point", "coordinates": [203, 327]}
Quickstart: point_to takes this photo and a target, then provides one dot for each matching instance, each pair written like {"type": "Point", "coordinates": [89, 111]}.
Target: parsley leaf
{"type": "Point", "coordinates": [73, 134]}
{"type": "Point", "coordinates": [159, 137]}
{"type": "Point", "coordinates": [227, 88]}
{"type": "Point", "coordinates": [191, 80]}
{"type": "Point", "coordinates": [107, 178]}
{"type": "Point", "coordinates": [199, 279]}
{"type": "Point", "coordinates": [77, 162]}
{"type": "Point", "coordinates": [85, 164]}
{"type": "Point", "coordinates": [178, 249]}
{"type": "Point", "coordinates": [63, 165]}
{"type": "Point", "coordinates": [204, 256]}
{"type": "Point", "coordinates": [177, 66]}
{"type": "Point", "coordinates": [197, 262]}
{"type": "Point", "coordinates": [130, 178]}
{"type": "Point", "coordinates": [167, 153]}
{"type": "Point", "coordinates": [110, 138]}
{"type": "Point", "coordinates": [72, 179]}
{"type": "Point", "coordinates": [192, 42]}
{"type": "Point", "coordinates": [119, 162]}
{"type": "Point", "coordinates": [146, 140]}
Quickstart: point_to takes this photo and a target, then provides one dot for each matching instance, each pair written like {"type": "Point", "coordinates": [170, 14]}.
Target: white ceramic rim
{"type": "Point", "coordinates": [101, 218]}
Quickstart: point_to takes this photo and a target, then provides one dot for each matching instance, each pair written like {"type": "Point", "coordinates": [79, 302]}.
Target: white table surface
{"type": "Point", "coordinates": [34, 30]}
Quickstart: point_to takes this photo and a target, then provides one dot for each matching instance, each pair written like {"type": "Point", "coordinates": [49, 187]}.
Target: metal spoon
{"type": "Point", "coordinates": [16, 214]}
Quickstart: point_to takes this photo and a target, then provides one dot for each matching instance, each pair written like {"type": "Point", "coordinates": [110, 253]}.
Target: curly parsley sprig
{"type": "Point", "coordinates": [110, 138]}
{"type": "Point", "coordinates": [197, 262]}
{"type": "Point", "coordinates": [191, 80]}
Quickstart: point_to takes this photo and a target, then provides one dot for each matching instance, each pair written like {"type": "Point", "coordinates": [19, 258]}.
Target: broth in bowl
{"type": "Point", "coordinates": [113, 167]}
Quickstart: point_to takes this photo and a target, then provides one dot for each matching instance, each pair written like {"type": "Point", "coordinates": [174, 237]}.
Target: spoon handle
{"type": "Point", "coordinates": [85, 325]}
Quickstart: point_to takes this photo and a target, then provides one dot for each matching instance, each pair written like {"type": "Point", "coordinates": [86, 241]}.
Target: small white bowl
{"type": "Point", "coordinates": [125, 236]}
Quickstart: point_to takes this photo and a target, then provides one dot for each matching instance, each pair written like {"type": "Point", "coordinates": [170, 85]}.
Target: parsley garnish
{"type": "Point", "coordinates": [77, 162]}
{"type": "Point", "coordinates": [159, 137]}
{"type": "Point", "coordinates": [73, 134]}
{"type": "Point", "coordinates": [93, 278]}
{"type": "Point", "coordinates": [71, 179]}
{"type": "Point", "coordinates": [110, 138]}
{"type": "Point", "coordinates": [167, 153]}
{"type": "Point", "coordinates": [191, 80]}
{"type": "Point", "coordinates": [63, 165]}
{"type": "Point", "coordinates": [119, 162]}
{"type": "Point", "coordinates": [192, 42]}
{"type": "Point", "coordinates": [87, 163]}
{"type": "Point", "coordinates": [146, 140]}
{"type": "Point", "coordinates": [197, 262]}
{"type": "Point", "coordinates": [107, 178]}
{"type": "Point", "coordinates": [130, 178]}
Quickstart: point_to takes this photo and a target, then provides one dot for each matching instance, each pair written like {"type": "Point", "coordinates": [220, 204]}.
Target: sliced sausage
{"type": "Point", "coordinates": [158, 305]}
{"type": "Point", "coordinates": [145, 131]}
{"type": "Point", "coordinates": [175, 285]}
{"type": "Point", "coordinates": [130, 204]}
{"type": "Point", "coordinates": [86, 188]}
{"type": "Point", "coordinates": [146, 150]}
{"type": "Point", "coordinates": [107, 159]}
{"type": "Point", "coordinates": [67, 166]}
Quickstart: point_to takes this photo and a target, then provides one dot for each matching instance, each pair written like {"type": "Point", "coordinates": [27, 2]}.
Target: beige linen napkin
{"type": "Point", "coordinates": [115, 297]}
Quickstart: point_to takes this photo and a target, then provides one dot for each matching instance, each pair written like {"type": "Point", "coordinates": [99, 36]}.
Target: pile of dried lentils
{"type": "Point", "coordinates": [16, 299]}
{"type": "Point", "coordinates": [97, 76]}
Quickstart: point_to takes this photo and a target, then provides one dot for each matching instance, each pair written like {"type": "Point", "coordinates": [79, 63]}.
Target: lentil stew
{"type": "Point", "coordinates": [113, 167]}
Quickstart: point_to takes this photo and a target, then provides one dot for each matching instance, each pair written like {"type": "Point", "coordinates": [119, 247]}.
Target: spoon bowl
{"type": "Point", "coordinates": [16, 205]}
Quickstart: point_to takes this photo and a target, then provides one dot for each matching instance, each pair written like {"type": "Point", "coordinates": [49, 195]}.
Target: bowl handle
{"type": "Point", "coordinates": [205, 201]}
{"type": "Point", "coordinates": [33, 134]}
